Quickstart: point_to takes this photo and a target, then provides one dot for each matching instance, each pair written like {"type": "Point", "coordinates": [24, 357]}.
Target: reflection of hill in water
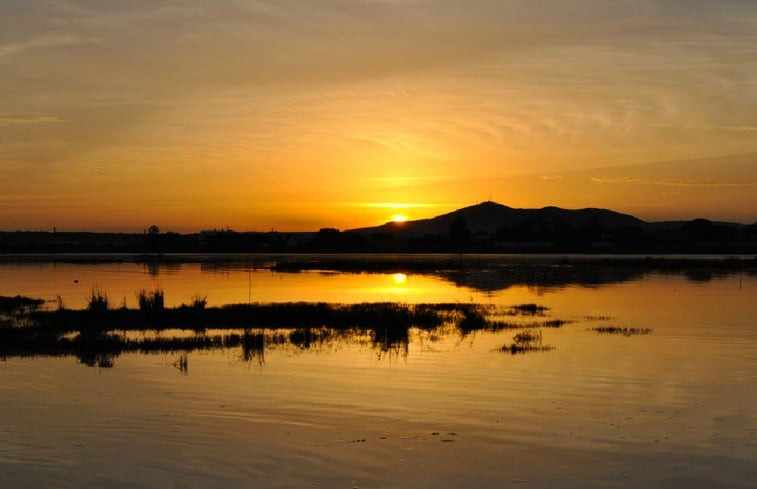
{"type": "Point", "coordinates": [555, 277]}
{"type": "Point", "coordinates": [490, 274]}
{"type": "Point", "coordinates": [558, 277]}
{"type": "Point", "coordinates": [543, 277]}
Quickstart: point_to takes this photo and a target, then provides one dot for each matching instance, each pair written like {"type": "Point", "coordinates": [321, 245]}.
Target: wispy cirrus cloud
{"type": "Point", "coordinates": [395, 205]}
{"type": "Point", "coordinates": [385, 101]}
{"type": "Point", "coordinates": [7, 120]}
{"type": "Point", "coordinates": [43, 41]}
{"type": "Point", "coordinates": [671, 182]}
{"type": "Point", "coordinates": [737, 128]}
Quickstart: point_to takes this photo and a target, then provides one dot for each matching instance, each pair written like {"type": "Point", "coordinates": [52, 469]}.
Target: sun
{"type": "Point", "coordinates": [399, 218]}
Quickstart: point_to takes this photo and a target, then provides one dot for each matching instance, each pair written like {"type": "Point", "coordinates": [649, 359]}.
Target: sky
{"type": "Point", "coordinates": [295, 115]}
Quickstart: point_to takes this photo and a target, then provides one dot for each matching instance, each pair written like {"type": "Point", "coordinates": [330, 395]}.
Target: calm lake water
{"type": "Point", "coordinates": [671, 408]}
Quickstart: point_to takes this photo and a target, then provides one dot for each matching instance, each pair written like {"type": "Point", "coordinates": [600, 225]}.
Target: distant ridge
{"type": "Point", "coordinates": [491, 218]}
{"type": "Point", "coordinates": [487, 227]}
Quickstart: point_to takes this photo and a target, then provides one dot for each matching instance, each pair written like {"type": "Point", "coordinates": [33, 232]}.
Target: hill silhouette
{"type": "Point", "coordinates": [491, 218]}
{"type": "Point", "coordinates": [487, 227]}
{"type": "Point", "coordinates": [490, 226]}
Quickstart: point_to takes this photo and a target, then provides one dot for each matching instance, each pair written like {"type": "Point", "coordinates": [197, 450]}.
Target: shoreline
{"type": "Point", "coordinates": [287, 262]}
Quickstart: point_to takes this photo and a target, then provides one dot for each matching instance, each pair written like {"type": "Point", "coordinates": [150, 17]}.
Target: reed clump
{"type": "Point", "coordinates": [98, 301]}
{"type": "Point", "coordinates": [152, 300]}
{"type": "Point", "coordinates": [198, 302]}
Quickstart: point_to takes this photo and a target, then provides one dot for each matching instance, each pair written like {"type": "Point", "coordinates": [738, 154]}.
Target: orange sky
{"type": "Point", "coordinates": [298, 115]}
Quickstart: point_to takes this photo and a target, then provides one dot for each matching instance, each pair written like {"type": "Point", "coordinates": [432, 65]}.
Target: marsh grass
{"type": "Point", "coordinates": [391, 340]}
{"type": "Point", "coordinates": [479, 317]}
{"type": "Point", "coordinates": [199, 302]}
{"type": "Point", "coordinates": [98, 333]}
{"type": "Point", "coordinates": [527, 337]}
{"type": "Point", "coordinates": [517, 349]}
{"type": "Point", "coordinates": [19, 304]}
{"type": "Point", "coordinates": [616, 330]}
{"type": "Point", "coordinates": [499, 325]}
{"type": "Point", "coordinates": [306, 338]}
{"type": "Point", "coordinates": [528, 309]}
{"type": "Point", "coordinates": [472, 320]}
{"type": "Point", "coordinates": [182, 364]}
{"type": "Point", "coordinates": [393, 319]}
{"type": "Point", "coordinates": [390, 320]}
{"type": "Point", "coordinates": [97, 302]}
{"type": "Point", "coordinates": [151, 301]}
{"type": "Point", "coordinates": [527, 341]}
{"type": "Point", "coordinates": [555, 323]}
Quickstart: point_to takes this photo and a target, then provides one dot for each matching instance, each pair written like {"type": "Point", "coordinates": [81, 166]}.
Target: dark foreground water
{"type": "Point", "coordinates": [672, 407]}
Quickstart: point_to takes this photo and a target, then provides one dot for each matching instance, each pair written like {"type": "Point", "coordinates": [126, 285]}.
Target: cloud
{"type": "Point", "coordinates": [395, 205]}
{"type": "Point", "coordinates": [738, 128]}
{"type": "Point", "coordinates": [400, 98]}
{"type": "Point", "coordinates": [670, 182]}
{"type": "Point", "coordinates": [44, 41]}
{"type": "Point", "coordinates": [7, 120]}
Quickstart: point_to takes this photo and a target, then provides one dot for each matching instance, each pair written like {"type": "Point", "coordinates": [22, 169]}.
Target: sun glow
{"type": "Point", "coordinates": [399, 218]}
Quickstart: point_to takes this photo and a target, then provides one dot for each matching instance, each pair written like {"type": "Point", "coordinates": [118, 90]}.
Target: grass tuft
{"type": "Point", "coordinates": [97, 301]}
{"type": "Point", "coordinates": [199, 302]}
{"type": "Point", "coordinates": [151, 301]}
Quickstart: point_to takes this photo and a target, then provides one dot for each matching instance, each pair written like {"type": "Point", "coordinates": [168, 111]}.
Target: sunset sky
{"type": "Point", "coordinates": [295, 114]}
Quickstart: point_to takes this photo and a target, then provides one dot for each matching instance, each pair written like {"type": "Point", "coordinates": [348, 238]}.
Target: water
{"type": "Point", "coordinates": [673, 408]}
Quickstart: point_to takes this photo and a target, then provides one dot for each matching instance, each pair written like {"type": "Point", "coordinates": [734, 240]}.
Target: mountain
{"type": "Point", "coordinates": [491, 218]}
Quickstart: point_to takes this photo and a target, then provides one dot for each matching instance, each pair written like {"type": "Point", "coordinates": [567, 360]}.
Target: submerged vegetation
{"type": "Point", "coordinates": [528, 341]}
{"type": "Point", "coordinates": [622, 331]}
{"type": "Point", "coordinates": [532, 309]}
